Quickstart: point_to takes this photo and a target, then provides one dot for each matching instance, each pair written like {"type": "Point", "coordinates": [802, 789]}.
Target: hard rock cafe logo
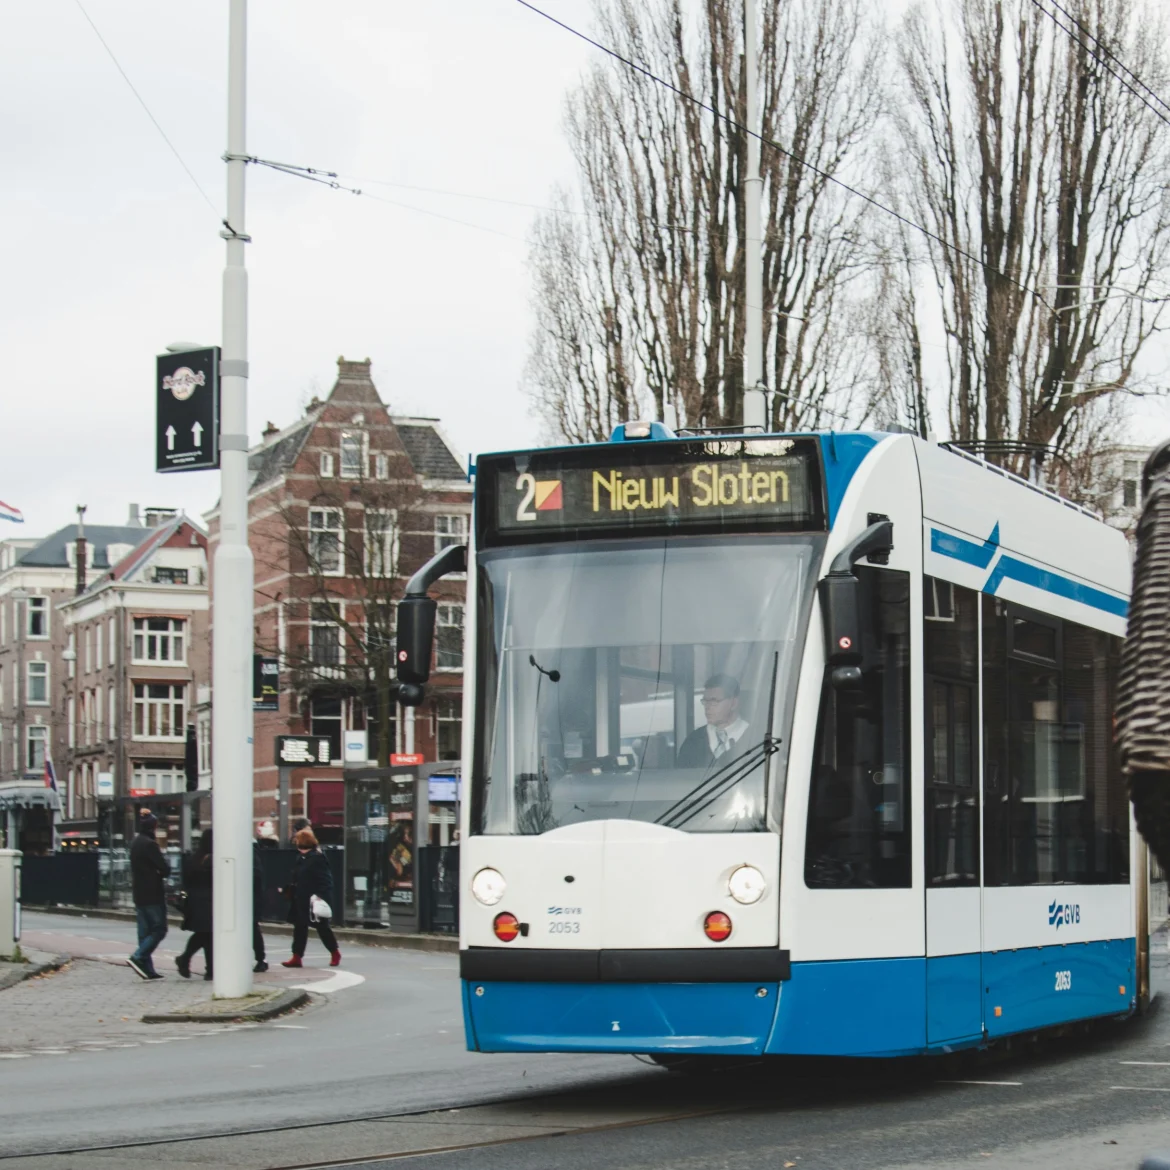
{"type": "Point", "coordinates": [182, 382]}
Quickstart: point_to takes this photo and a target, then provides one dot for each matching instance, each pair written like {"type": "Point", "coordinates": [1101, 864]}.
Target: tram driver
{"type": "Point", "coordinates": [722, 736]}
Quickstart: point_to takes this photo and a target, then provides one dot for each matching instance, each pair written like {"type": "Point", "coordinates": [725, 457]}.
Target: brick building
{"type": "Point", "coordinates": [138, 642]}
{"type": "Point", "coordinates": [344, 505]}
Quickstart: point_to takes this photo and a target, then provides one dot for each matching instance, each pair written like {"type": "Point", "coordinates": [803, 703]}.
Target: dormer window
{"type": "Point", "coordinates": [353, 454]}
{"type": "Point", "coordinates": [164, 575]}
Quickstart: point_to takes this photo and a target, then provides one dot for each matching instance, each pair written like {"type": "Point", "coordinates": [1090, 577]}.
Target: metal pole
{"type": "Point", "coordinates": [231, 646]}
{"type": "Point", "coordinates": [282, 825]}
{"type": "Point", "coordinates": [754, 403]}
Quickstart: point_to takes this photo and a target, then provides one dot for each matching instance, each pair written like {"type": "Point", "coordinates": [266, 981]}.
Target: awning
{"type": "Point", "coordinates": [28, 794]}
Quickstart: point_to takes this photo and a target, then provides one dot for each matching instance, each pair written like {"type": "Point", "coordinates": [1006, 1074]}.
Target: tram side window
{"type": "Point", "coordinates": [1056, 809]}
{"type": "Point", "coordinates": [859, 804]}
{"type": "Point", "coordinates": [950, 652]}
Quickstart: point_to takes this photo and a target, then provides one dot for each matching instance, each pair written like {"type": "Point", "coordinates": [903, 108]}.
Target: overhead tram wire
{"type": "Point", "coordinates": [1110, 54]}
{"type": "Point", "coordinates": [1096, 57]}
{"type": "Point", "coordinates": [126, 78]}
{"type": "Point", "coordinates": [730, 121]}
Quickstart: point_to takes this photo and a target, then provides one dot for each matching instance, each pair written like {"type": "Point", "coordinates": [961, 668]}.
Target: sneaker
{"type": "Point", "coordinates": [335, 959]}
{"type": "Point", "coordinates": [138, 969]}
{"type": "Point", "coordinates": [183, 966]}
{"type": "Point", "coordinates": [154, 975]}
{"type": "Point", "coordinates": [295, 961]}
{"type": "Point", "coordinates": [261, 965]}
{"type": "Point", "coordinates": [208, 975]}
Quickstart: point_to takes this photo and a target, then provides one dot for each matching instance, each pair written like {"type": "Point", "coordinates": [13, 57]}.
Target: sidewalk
{"type": "Point", "coordinates": [448, 943]}
{"type": "Point", "coordinates": [37, 963]}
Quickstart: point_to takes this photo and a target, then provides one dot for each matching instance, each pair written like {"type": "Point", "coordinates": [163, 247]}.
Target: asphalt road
{"type": "Point", "coordinates": [391, 1050]}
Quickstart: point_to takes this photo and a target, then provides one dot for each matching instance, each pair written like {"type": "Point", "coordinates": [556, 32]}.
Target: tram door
{"type": "Point", "coordinates": [954, 1003]}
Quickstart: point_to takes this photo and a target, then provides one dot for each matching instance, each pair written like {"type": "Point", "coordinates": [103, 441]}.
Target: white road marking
{"type": "Point", "coordinates": [1003, 1084]}
{"type": "Point", "coordinates": [293, 1027]}
{"type": "Point", "coordinates": [1139, 1089]}
{"type": "Point", "coordinates": [14, 1055]}
{"type": "Point", "coordinates": [1147, 1063]}
{"type": "Point", "coordinates": [336, 982]}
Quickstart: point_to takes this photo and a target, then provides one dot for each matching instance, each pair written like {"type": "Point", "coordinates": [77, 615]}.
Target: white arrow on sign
{"type": "Point", "coordinates": [170, 434]}
{"type": "Point", "coordinates": [197, 431]}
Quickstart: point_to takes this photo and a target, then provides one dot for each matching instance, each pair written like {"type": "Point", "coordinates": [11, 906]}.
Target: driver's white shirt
{"type": "Point", "coordinates": [734, 732]}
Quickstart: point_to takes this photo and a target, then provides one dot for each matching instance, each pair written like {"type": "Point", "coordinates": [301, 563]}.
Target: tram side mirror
{"type": "Point", "coordinates": [840, 609]}
{"type": "Point", "coordinates": [416, 637]}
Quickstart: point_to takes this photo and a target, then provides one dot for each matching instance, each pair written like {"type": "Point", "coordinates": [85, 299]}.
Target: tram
{"type": "Point", "coordinates": [785, 744]}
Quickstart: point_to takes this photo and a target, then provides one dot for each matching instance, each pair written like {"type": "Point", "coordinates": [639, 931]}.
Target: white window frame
{"type": "Point", "coordinates": [41, 736]}
{"type": "Point", "coordinates": [445, 612]}
{"type": "Point", "coordinates": [113, 641]}
{"type": "Point", "coordinates": [326, 464]}
{"type": "Point", "coordinates": [98, 633]}
{"type": "Point", "coordinates": [40, 669]}
{"type": "Point", "coordinates": [320, 526]}
{"type": "Point", "coordinates": [71, 721]}
{"type": "Point", "coordinates": [145, 639]}
{"type": "Point", "coordinates": [113, 712]}
{"type": "Point", "coordinates": [151, 712]}
{"type": "Point", "coordinates": [42, 608]}
{"type": "Point", "coordinates": [450, 529]}
{"type": "Point", "coordinates": [317, 623]}
{"type": "Point", "coordinates": [99, 710]}
{"type": "Point", "coordinates": [381, 465]}
{"type": "Point", "coordinates": [345, 444]}
{"type": "Point", "coordinates": [164, 776]}
{"type": "Point", "coordinates": [88, 649]}
{"type": "Point", "coordinates": [450, 703]}
{"type": "Point", "coordinates": [72, 665]}
{"type": "Point", "coordinates": [382, 539]}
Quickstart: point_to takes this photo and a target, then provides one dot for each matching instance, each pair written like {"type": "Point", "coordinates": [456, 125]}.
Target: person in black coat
{"type": "Point", "coordinates": [311, 875]}
{"type": "Point", "coordinates": [148, 871]}
{"type": "Point", "coordinates": [197, 912]}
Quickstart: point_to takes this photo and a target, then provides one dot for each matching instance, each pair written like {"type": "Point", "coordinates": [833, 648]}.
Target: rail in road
{"type": "Point", "coordinates": [1099, 1100]}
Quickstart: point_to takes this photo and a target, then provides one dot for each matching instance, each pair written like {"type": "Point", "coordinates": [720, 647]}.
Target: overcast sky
{"type": "Point", "coordinates": [110, 252]}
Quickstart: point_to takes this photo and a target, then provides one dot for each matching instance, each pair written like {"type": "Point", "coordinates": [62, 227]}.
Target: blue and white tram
{"type": "Point", "coordinates": [785, 744]}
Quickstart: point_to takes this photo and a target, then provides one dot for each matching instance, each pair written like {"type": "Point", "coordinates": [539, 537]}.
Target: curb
{"type": "Point", "coordinates": [435, 943]}
{"type": "Point", "coordinates": [206, 1013]}
{"type": "Point", "coordinates": [32, 970]}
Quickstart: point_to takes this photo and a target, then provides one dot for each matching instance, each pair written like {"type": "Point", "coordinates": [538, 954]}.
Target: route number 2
{"type": "Point", "coordinates": [526, 483]}
{"type": "Point", "coordinates": [1064, 981]}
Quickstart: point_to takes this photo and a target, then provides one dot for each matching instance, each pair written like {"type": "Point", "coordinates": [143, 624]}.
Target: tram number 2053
{"type": "Point", "coordinates": [564, 928]}
{"type": "Point", "coordinates": [1064, 981]}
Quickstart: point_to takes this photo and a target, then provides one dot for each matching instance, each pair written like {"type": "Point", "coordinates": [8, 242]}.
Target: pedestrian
{"type": "Point", "coordinates": [148, 870]}
{"type": "Point", "coordinates": [197, 917]}
{"type": "Point", "coordinates": [298, 824]}
{"type": "Point", "coordinates": [311, 875]}
{"type": "Point", "coordinates": [257, 904]}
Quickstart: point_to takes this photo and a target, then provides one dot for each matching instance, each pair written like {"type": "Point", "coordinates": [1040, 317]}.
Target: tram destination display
{"type": "Point", "coordinates": [712, 483]}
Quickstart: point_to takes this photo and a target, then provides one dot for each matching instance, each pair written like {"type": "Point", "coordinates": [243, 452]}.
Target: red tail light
{"type": "Point", "coordinates": [507, 926]}
{"type": "Point", "coordinates": [717, 926]}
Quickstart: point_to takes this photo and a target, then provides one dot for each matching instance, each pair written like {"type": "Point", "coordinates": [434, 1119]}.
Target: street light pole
{"type": "Point", "coordinates": [231, 646]}
{"type": "Point", "coordinates": [754, 402]}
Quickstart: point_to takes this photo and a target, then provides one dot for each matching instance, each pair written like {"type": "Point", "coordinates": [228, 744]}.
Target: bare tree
{"type": "Point", "coordinates": [1046, 177]}
{"type": "Point", "coordinates": [346, 541]}
{"type": "Point", "coordinates": [638, 291]}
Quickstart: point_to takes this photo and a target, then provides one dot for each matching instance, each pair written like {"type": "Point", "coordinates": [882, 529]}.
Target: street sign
{"type": "Point", "coordinates": [142, 792]}
{"type": "Point", "coordinates": [187, 411]}
{"type": "Point", "coordinates": [105, 785]}
{"type": "Point", "coordinates": [265, 683]}
{"type": "Point", "coordinates": [405, 759]}
{"type": "Point", "coordinates": [303, 751]}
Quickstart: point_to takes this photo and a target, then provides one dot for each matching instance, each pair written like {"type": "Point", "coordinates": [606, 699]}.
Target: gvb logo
{"type": "Point", "coordinates": [1063, 914]}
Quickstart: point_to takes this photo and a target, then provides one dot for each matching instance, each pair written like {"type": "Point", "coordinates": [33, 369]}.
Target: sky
{"type": "Point", "coordinates": [447, 115]}
{"type": "Point", "coordinates": [110, 251]}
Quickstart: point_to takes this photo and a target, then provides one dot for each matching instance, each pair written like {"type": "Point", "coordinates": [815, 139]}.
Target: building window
{"type": "Point", "coordinates": [203, 745]}
{"type": "Point", "coordinates": [326, 464]}
{"type": "Point", "coordinates": [325, 719]}
{"type": "Point", "coordinates": [71, 721]}
{"type": "Point", "coordinates": [36, 747]}
{"type": "Point", "coordinates": [160, 640]}
{"type": "Point", "coordinates": [38, 682]}
{"type": "Point", "coordinates": [381, 465]}
{"type": "Point", "coordinates": [162, 777]}
{"type": "Point", "coordinates": [449, 530]}
{"type": "Point", "coordinates": [38, 617]}
{"type": "Point", "coordinates": [381, 543]}
{"type": "Point", "coordinates": [324, 635]}
{"type": "Point", "coordinates": [448, 726]}
{"type": "Point", "coordinates": [72, 654]}
{"type": "Point", "coordinates": [163, 575]}
{"type": "Point", "coordinates": [113, 713]}
{"type": "Point", "coordinates": [159, 710]}
{"type": "Point", "coordinates": [1, 688]}
{"type": "Point", "coordinates": [325, 530]}
{"type": "Point", "coordinates": [113, 641]}
{"type": "Point", "coordinates": [88, 649]}
{"type": "Point", "coordinates": [1131, 473]}
{"type": "Point", "coordinates": [98, 632]}
{"type": "Point", "coordinates": [353, 446]}
{"type": "Point", "coordinates": [449, 653]}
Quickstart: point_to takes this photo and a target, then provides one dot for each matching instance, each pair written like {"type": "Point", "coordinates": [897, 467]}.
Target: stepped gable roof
{"type": "Point", "coordinates": [427, 448]}
{"type": "Point", "coordinates": [51, 552]}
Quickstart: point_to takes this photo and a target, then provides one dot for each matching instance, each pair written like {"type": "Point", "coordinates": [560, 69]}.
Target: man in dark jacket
{"type": "Point", "coordinates": [148, 868]}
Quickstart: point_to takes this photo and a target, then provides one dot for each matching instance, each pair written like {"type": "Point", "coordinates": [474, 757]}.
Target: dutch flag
{"type": "Point", "coordinates": [8, 512]}
{"type": "Point", "coordinates": [50, 775]}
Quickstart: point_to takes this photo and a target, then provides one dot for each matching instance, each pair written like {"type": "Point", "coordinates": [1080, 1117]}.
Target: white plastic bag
{"type": "Point", "coordinates": [319, 908]}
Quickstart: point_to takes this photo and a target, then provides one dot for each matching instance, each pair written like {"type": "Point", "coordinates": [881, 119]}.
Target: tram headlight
{"type": "Point", "coordinates": [488, 886]}
{"type": "Point", "coordinates": [746, 885]}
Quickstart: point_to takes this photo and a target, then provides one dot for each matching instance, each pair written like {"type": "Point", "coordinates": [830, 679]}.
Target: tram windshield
{"type": "Point", "coordinates": [650, 682]}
